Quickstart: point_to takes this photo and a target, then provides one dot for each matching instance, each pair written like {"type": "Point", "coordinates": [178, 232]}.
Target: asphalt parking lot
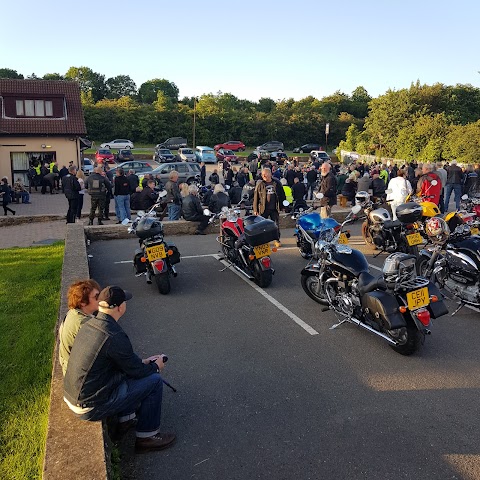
{"type": "Point", "coordinates": [264, 395]}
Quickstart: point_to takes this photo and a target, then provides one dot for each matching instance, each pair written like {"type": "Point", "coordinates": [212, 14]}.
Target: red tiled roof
{"type": "Point", "coordinates": [73, 124]}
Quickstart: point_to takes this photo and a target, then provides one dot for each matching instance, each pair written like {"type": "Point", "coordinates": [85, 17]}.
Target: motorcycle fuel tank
{"type": "Point", "coordinates": [380, 215]}
{"type": "Point", "coordinates": [462, 264]}
{"type": "Point", "coordinates": [313, 221]}
{"type": "Point", "coordinates": [354, 261]}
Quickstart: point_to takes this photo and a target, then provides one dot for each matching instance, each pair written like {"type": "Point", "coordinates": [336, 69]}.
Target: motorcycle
{"type": "Point", "coordinates": [246, 243]}
{"type": "Point", "coordinates": [452, 261]}
{"type": "Point", "coordinates": [396, 306]}
{"type": "Point", "coordinates": [156, 257]}
{"type": "Point", "coordinates": [380, 232]}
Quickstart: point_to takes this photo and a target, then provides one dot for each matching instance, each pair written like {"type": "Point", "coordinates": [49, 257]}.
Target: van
{"type": "Point", "coordinates": [173, 143]}
{"type": "Point", "coordinates": [205, 154]}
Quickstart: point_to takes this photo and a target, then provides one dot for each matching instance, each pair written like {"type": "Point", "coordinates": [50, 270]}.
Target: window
{"type": "Point", "coordinates": [182, 168]}
{"type": "Point", "coordinates": [34, 108]}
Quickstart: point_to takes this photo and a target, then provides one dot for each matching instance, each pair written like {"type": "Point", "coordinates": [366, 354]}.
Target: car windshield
{"type": "Point", "coordinates": [209, 152]}
{"type": "Point", "coordinates": [165, 151]}
{"type": "Point", "coordinates": [125, 152]}
{"type": "Point", "coordinates": [228, 152]}
{"type": "Point", "coordinates": [105, 152]}
{"type": "Point", "coordinates": [195, 167]}
{"type": "Point", "coordinates": [187, 151]}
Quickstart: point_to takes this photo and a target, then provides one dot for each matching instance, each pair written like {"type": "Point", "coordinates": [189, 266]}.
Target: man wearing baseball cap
{"type": "Point", "coordinates": [105, 377]}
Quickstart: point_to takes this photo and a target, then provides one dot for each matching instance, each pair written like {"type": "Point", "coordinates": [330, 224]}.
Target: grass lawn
{"type": "Point", "coordinates": [29, 301]}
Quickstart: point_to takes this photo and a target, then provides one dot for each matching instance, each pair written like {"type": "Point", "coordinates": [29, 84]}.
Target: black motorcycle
{"type": "Point", "coordinates": [156, 258]}
{"type": "Point", "coordinates": [452, 261]}
{"type": "Point", "coordinates": [396, 306]}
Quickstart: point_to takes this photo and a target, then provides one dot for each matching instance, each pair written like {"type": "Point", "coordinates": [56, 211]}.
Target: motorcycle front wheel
{"type": "Point", "coordinates": [163, 283]}
{"type": "Point", "coordinates": [312, 287]}
{"type": "Point", "coordinates": [413, 340]}
{"type": "Point", "coordinates": [422, 263]}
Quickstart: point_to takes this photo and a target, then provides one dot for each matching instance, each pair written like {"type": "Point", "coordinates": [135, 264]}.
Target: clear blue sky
{"type": "Point", "coordinates": [251, 49]}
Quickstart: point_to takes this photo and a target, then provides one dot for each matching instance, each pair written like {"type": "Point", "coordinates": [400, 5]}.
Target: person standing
{"type": "Point", "coordinates": [203, 173]}
{"type": "Point", "coordinates": [173, 198]}
{"type": "Point", "coordinates": [399, 188]}
{"type": "Point", "coordinates": [328, 186]}
{"type": "Point", "coordinates": [133, 181]}
{"type": "Point", "coordinates": [71, 188]}
{"type": "Point", "coordinates": [122, 196]}
{"type": "Point", "coordinates": [105, 377]}
{"type": "Point", "coordinates": [298, 190]}
{"type": "Point", "coordinates": [454, 183]}
{"type": "Point", "coordinates": [97, 189]}
{"type": "Point", "coordinates": [442, 174]}
{"type": "Point", "coordinates": [429, 184]}
{"type": "Point", "coordinates": [268, 199]}
{"type": "Point", "coordinates": [311, 182]}
{"type": "Point", "coordinates": [81, 196]}
{"type": "Point", "coordinates": [5, 195]}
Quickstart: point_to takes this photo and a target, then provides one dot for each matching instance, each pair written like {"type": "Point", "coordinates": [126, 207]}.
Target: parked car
{"type": "Point", "coordinates": [104, 155]}
{"type": "Point", "coordinates": [272, 146]}
{"type": "Point", "coordinates": [234, 145]}
{"type": "Point", "coordinates": [320, 154]}
{"type": "Point", "coordinates": [186, 155]}
{"type": "Point", "coordinates": [138, 166]}
{"type": "Point", "coordinates": [118, 143]}
{"type": "Point", "coordinates": [87, 166]}
{"type": "Point", "coordinates": [225, 154]}
{"type": "Point", "coordinates": [163, 155]}
{"type": "Point", "coordinates": [279, 157]}
{"type": "Point", "coordinates": [259, 155]}
{"type": "Point", "coordinates": [173, 143]}
{"type": "Point", "coordinates": [188, 172]}
{"type": "Point", "coordinates": [205, 154]}
{"type": "Point", "coordinates": [125, 155]}
{"type": "Point", "coordinates": [307, 148]}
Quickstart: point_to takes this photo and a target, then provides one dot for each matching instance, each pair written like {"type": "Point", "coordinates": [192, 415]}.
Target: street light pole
{"type": "Point", "coordinates": [194, 119]}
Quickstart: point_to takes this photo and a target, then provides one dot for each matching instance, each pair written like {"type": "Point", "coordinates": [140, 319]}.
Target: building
{"type": "Point", "coordinates": [41, 121]}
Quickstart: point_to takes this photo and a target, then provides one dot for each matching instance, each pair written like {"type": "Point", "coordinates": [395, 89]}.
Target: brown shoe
{"type": "Point", "coordinates": [157, 442]}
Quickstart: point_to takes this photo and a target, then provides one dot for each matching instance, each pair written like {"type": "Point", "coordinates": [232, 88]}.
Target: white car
{"type": "Point", "coordinates": [320, 154]}
{"type": "Point", "coordinates": [186, 155]}
{"type": "Point", "coordinates": [87, 166]}
{"type": "Point", "coordinates": [118, 143]}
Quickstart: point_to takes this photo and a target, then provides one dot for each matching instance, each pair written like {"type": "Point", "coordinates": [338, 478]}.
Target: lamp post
{"type": "Point", "coordinates": [194, 118]}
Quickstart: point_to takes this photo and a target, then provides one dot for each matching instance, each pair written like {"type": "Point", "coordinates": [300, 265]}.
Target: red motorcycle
{"type": "Point", "coordinates": [246, 243]}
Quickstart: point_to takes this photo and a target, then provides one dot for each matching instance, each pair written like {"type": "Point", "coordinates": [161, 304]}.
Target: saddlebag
{"type": "Point", "coordinates": [175, 258]}
{"type": "Point", "coordinates": [140, 267]}
{"type": "Point", "coordinates": [436, 309]}
{"type": "Point", "coordinates": [383, 308]}
{"type": "Point", "coordinates": [260, 231]}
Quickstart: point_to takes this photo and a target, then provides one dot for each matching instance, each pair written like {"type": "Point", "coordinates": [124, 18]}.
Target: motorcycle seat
{"type": "Point", "coordinates": [368, 283]}
{"type": "Point", "coordinates": [392, 224]}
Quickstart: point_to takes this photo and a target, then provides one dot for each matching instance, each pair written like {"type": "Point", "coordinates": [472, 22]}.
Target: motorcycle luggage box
{"type": "Point", "coordinates": [410, 212]}
{"type": "Point", "coordinates": [436, 309]}
{"type": "Point", "coordinates": [383, 307]}
{"type": "Point", "coordinates": [175, 258]}
{"type": "Point", "coordinates": [260, 231]}
{"type": "Point", "coordinates": [140, 267]}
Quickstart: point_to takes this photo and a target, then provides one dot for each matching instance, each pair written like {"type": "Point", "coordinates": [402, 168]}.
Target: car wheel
{"type": "Point", "coordinates": [128, 147]}
{"type": "Point", "coordinates": [280, 150]}
{"type": "Point", "coordinates": [241, 149]}
{"type": "Point", "coordinates": [300, 151]}
{"type": "Point", "coordinates": [107, 146]}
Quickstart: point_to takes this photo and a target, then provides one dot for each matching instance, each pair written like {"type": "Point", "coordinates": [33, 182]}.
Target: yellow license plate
{"type": "Point", "coordinates": [414, 239]}
{"type": "Point", "coordinates": [262, 250]}
{"type": "Point", "coordinates": [474, 231]}
{"type": "Point", "coordinates": [156, 252]}
{"type": "Point", "coordinates": [418, 298]}
{"type": "Point", "coordinates": [343, 239]}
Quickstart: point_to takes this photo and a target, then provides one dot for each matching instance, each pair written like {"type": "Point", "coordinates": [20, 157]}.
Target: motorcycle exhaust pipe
{"type": "Point", "coordinates": [250, 277]}
{"type": "Point", "coordinates": [372, 330]}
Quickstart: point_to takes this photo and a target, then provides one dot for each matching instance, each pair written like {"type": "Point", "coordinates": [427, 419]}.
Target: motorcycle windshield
{"type": "Point", "coordinates": [355, 262]}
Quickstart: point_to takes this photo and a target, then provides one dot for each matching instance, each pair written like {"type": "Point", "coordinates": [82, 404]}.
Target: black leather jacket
{"type": "Point", "coordinates": [217, 201]}
{"type": "Point", "coordinates": [102, 357]}
{"type": "Point", "coordinates": [191, 208]}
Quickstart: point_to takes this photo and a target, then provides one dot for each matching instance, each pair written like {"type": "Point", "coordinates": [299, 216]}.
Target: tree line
{"type": "Point", "coordinates": [424, 122]}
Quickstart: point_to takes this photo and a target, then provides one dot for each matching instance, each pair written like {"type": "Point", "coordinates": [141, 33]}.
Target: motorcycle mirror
{"type": "Point", "coordinates": [207, 212]}
{"type": "Point", "coordinates": [140, 214]}
{"type": "Point", "coordinates": [356, 209]}
{"type": "Point", "coordinates": [434, 182]}
{"type": "Point", "coordinates": [389, 190]}
{"type": "Point", "coordinates": [227, 187]}
{"type": "Point", "coordinates": [162, 194]}
{"type": "Point", "coordinates": [224, 209]}
{"type": "Point", "coordinates": [319, 195]}
{"type": "Point", "coordinates": [126, 221]}
{"type": "Point", "coordinates": [286, 203]}
{"type": "Point", "coordinates": [464, 197]}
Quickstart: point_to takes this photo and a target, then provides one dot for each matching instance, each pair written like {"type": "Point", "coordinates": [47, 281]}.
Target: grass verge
{"type": "Point", "coordinates": [29, 302]}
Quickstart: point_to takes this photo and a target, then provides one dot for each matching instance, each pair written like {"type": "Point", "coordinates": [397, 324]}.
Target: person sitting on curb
{"type": "Point", "coordinates": [105, 377]}
{"type": "Point", "coordinates": [21, 192]}
{"type": "Point", "coordinates": [83, 303]}
{"type": "Point", "coordinates": [219, 199]}
{"type": "Point", "coordinates": [192, 210]}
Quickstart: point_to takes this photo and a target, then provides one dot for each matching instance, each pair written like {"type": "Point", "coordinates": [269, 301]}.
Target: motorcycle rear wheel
{"type": "Point", "coordinates": [163, 283]}
{"type": "Point", "coordinates": [367, 237]}
{"type": "Point", "coordinates": [309, 283]}
{"type": "Point", "coordinates": [263, 278]}
{"type": "Point", "coordinates": [414, 340]}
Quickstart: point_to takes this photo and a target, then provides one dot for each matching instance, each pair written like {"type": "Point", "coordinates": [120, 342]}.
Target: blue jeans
{"type": "Point", "coordinates": [457, 188]}
{"type": "Point", "coordinates": [174, 211]}
{"type": "Point", "coordinates": [122, 207]}
{"type": "Point", "coordinates": [141, 395]}
{"type": "Point", "coordinates": [25, 196]}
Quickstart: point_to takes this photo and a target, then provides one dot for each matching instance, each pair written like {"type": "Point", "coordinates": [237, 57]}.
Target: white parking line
{"type": "Point", "coordinates": [272, 300]}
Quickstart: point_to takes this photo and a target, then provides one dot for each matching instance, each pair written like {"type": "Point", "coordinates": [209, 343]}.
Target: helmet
{"type": "Point", "coordinates": [437, 229]}
{"type": "Point", "coordinates": [362, 198]}
{"type": "Point", "coordinates": [149, 227]}
{"type": "Point", "coordinates": [399, 267]}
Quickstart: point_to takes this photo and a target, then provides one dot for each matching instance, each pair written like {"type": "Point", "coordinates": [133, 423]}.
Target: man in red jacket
{"type": "Point", "coordinates": [429, 184]}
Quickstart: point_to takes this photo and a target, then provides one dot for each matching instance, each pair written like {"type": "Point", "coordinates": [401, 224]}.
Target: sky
{"type": "Point", "coordinates": [251, 49]}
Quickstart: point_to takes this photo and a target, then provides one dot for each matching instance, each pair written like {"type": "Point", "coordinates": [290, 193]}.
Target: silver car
{"type": "Point", "coordinates": [118, 143]}
{"type": "Point", "coordinates": [186, 155]}
{"type": "Point", "coordinates": [187, 172]}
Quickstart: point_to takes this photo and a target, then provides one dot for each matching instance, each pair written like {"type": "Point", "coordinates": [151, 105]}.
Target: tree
{"type": "Point", "coordinates": [148, 90]}
{"type": "Point", "coordinates": [265, 105]}
{"type": "Point", "coordinates": [9, 73]}
{"type": "Point", "coordinates": [53, 76]}
{"type": "Point", "coordinates": [89, 81]}
{"type": "Point", "coordinates": [120, 86]}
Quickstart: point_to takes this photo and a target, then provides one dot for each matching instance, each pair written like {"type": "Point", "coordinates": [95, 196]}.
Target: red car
{"type": "Point", "coordinates": [103, 154]}
{"type": "Point", "coordinates": [234, 145]}
{"type": "Point", "coordinates": [224, 154]}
